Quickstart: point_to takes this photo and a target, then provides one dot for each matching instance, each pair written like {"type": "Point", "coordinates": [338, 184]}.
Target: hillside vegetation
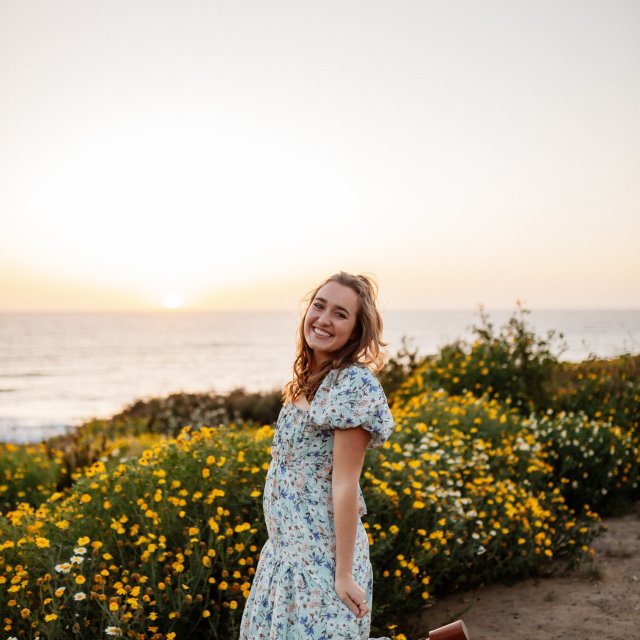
{"type": "Point", "coordinates": [149, 525]}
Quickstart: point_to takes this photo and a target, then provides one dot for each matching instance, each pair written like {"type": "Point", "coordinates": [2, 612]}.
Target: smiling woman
{"type": "Point", "coordinates": [314, 578]}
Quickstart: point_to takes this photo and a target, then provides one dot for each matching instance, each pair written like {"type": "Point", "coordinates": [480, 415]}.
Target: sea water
{"type": "Point", "coordinates": [60, 369]}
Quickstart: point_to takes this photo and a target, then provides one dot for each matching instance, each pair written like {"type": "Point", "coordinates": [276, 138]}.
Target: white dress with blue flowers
{"type": "Point", "coordinates": [293, 593]}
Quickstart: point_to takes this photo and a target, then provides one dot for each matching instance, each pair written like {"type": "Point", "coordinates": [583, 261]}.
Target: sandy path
{"type": "Point", "coordinates": [600, 601]}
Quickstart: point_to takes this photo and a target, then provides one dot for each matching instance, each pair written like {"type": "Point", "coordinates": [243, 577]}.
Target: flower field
{"type": "Point", "coordinates": [158, 537]}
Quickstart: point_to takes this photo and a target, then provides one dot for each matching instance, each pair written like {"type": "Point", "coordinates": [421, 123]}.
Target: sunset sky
{"type": "Point", "coordinates": [227, 155]}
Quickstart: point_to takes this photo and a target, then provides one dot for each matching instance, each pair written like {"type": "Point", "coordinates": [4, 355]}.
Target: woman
{"type": "Point", "coordinates": [314, 579]}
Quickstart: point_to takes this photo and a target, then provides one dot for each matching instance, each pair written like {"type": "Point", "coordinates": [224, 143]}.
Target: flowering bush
{"type": "Point", "coordinates": [160, 546]}
{"type": "Point", "coordinates": [453, 508]}
{"type": "Point", "coordinates": [513, 364]}
{"type": "Point", "coordinates": [28, 473]}
{"type": "Point", "coordinates": [165, 544]}
{"type": "Point", "coordinates": [603, 389]}
{"type": "Point", "coordinates": [594, 463]}
{"type": "Point", "coordinates": [158, 537]}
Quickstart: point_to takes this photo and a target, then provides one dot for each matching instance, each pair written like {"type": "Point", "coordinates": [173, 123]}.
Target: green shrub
{"type": "Point", "coordinates": [169, 414]}
{"type": "Point", "coordinates": [513, 364]}
{"type": "Point", "coordinates": [604, 389]}
{"type": "Point", "coordinates": [28, 473]}
{"type": "Point", "coordinates": [594, 463]}
{"type": "Point", "coordinates": [399, 367]}
{"type": "Point", "coordinates": [168, 541]}
{"type": "Point", "coordinates": [463, 495]}
{"type": "Point", "coordinates": [163, 542]}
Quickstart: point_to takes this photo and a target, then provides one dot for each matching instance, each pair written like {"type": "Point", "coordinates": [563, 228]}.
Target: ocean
{"type": "Point", "coordinates": [59, 369]}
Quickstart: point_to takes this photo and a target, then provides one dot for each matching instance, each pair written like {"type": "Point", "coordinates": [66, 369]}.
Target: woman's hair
{"type": "Point", "coordinates": [364, 346]}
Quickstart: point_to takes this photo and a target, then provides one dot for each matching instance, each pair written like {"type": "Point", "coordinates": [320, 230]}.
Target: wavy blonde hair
{"type": "Point", "coordinates": [364, 347]}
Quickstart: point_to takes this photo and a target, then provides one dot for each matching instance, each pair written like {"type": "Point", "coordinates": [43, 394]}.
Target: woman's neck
{"type": "Point", "coordinates": [316, 366]}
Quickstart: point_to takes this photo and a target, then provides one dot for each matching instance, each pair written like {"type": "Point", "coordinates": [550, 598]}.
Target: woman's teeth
{"type": "Point", "coordinates": [321, 333]}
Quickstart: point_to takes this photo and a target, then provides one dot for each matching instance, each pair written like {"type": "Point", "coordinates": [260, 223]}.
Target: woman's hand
{"type": "Point", "coordinates": [352, 595]}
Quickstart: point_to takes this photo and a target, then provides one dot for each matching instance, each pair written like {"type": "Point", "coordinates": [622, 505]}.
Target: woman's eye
{"type": "Point", "coordinates": [340, 315]}
{"type": "Point", "coordinates": [317, 305]}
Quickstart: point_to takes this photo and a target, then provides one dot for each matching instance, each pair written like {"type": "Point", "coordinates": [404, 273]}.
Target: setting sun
{"type": "Point", "coordinates": [172, 301]}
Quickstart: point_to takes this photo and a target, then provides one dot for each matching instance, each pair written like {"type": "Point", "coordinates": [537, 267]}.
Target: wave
{"type": "Point", "coordinates": [27, 374]}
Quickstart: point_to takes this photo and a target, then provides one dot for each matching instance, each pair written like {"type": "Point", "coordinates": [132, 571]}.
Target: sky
{"type": "Point", "coordinates": [231, 155]}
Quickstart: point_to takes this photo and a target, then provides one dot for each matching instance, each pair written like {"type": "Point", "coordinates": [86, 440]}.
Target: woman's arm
{"type": "Point", "coordinates": [349, 448]}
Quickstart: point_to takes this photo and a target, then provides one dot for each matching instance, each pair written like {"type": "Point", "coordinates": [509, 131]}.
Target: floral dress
{"type": "Point", "coordinates": [293, 593]}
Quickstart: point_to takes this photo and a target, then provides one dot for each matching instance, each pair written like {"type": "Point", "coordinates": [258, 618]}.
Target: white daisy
{"type": "Point", "coordinates": [65, 567]}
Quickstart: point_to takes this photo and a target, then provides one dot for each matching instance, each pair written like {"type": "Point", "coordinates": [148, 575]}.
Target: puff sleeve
{"type": "Point", "coordinates": [353, 397]}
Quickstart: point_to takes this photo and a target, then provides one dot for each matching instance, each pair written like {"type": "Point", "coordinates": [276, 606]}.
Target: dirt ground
{"type": "Point", "coordinates": [598, 601]}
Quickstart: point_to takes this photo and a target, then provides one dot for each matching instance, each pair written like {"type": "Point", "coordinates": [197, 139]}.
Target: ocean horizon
{"type": "Point", "coordinates": [59, 369]}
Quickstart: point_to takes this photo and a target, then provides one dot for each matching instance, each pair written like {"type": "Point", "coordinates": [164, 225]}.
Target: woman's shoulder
{"type": "Point", "coordinates": [356, 374]}
{"type": "Point", "coordinates": [355, 398]}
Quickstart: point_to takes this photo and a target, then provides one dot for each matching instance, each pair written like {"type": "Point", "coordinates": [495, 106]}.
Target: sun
{"type": "Point", "coordinates": [172, 301]}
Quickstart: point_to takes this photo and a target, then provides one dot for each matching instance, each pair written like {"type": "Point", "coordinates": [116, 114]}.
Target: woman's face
{"type": "Point", "coordinates": [330, 319]}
